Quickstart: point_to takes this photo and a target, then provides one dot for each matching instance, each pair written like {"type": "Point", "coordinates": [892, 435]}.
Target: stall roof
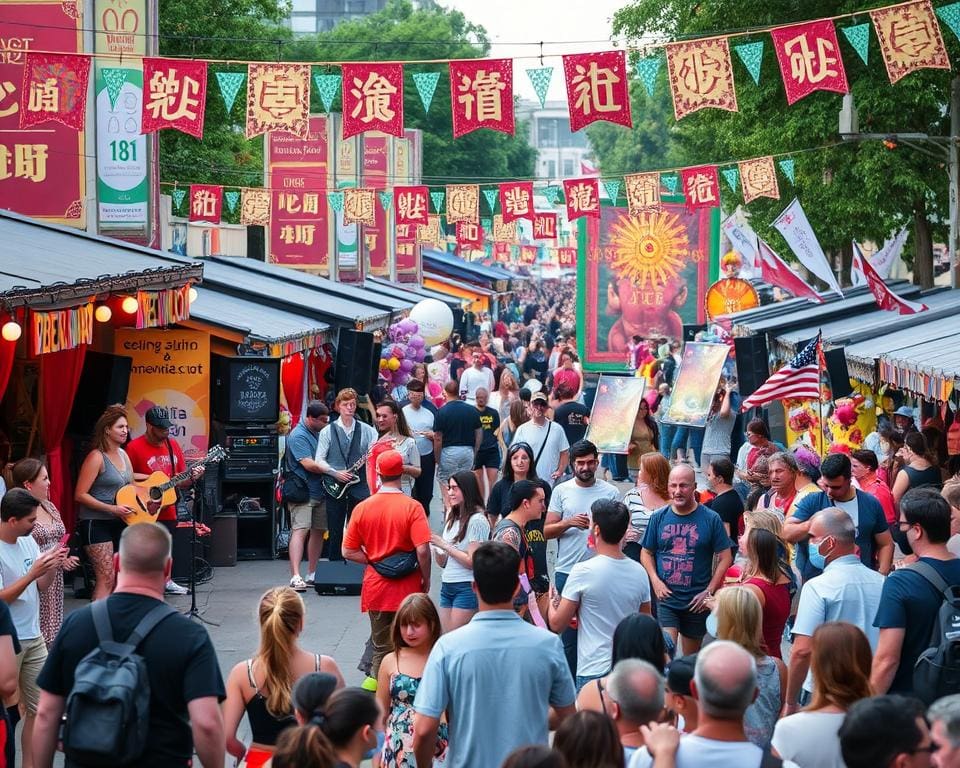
{"type": "Point", "coordinates": [414, 291]}
{"type": "Point", "coordinates": [479, 290]}
{"type": "Point", "coordinates": [465, 270]}
{"type": "Point", "coordinates": [930, 368]}
{"type": "Point", "coordinates": [46, 265]}
{"type": "Point", "coordinates": [863, 355]}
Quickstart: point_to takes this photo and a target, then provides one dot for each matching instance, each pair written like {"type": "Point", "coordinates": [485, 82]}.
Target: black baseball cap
{"type": "Point", "coordinates": [158, 417]}
{"type": "Point", "coordinates": [680, 673]}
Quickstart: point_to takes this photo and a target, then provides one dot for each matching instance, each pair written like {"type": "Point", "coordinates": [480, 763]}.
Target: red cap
{"type": "Point", "coordinates": [390, 464]}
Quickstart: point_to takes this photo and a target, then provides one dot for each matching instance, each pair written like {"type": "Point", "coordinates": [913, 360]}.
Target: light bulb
{"type": "Point", "coordinates": [103, 313]}
{"type": "Point", "coordinates": [129, 305]}
{"type": "Point", "coordinates": [193, 294]}
{"type": "Point", "coordinates": [11, 330]}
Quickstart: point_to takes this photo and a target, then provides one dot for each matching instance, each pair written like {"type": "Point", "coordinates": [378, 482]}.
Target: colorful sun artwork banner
{"type": "Point", "coordinates": [696, 383]}
{"type": "Point", "coordinates": [644, 275]}
{"type": "Point", "coordinates": [614, 409]}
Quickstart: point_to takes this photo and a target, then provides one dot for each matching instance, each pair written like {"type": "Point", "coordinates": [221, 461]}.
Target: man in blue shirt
{"type": "Point", "coordinates": [872, 534]}
{"type": "Point", "coordinates": [502, 682]}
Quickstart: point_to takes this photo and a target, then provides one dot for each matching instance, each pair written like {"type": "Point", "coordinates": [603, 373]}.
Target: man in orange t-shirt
{"type": "Point", "coordinates": [387, 523]}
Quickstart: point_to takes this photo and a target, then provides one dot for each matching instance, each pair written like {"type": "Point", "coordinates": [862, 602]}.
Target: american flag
{"type": "Point", "coordinates": [797, 380]}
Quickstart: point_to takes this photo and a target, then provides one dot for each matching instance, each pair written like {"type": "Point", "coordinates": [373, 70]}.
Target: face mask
{"type": "Point", "coordinates": [817, 560]}
{"type": "Point", "coordinates": [377, 748]}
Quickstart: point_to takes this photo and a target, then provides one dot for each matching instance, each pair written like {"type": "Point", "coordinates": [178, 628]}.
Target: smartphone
{"type": "Point", "coordinates": [65, 541]}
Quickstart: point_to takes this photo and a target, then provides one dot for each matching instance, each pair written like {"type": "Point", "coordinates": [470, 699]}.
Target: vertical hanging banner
{"type": "Point", "coordinates": [463, 203]}
{"type": "Point", "coordinates": [528, 255]}
{"type": "Point", "coordinates": [583, 198]}
{"type": "Point", "coordinates": [481, 95]}
{"type": "Point", "coordinates": [909, 38]}
{"type": "Point", "coordinates": [54, 88]}
{"type": "Point", "coordinates": [759, 179]}
{"type": "Point", "coordinates": [796, 230]}
{"type": "Point", "coordinates": [701, 186]}
{"type": "Point", "coordinates": [359, 206]}
{"type": "Point", "coordinates": [567, 257]}
{"type": "Point", "coordinates": [175, 95]}
{"type": "Point", "coordinates": [278, 99]}
{"type": "Point", "coordinates": [809, 57]}
{"type": "Point", "coordinates": [501, 253]}
{"type": "Point", "coordinates": [347, 266]}
{"type": "Point", "coordinates": [597, 88]}
{"type": "Point", "coordinates": [516, 200]}
{"type": "Point", "coordinates": [378, 236]}
{"type": "Point", "coordinates": [643, 192]}
{"type": "Point", "coordinates": [372, 99]}
{"type": "Point", "coordinates": [503, 232]}
{"type": "Point", "coordinates": [469, 235]}
{"type": "Point", "coordinates": [411, 205]}
{"type": "Point", "coordinates": [545, 226]}
{"type": "Point", "coordinates": [206, 203]}
{"type": "Point", "coordinates": [701, 76]}
{"type": "Point", "coordinates": [431, 234]}
{"type": "Point", "coordinates": [255, 207]}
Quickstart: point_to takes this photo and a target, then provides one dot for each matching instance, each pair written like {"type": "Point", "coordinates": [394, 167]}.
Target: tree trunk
{"type": "Point", "coordinates": [923, 246]}
{"type": "Point", "coordinates": [845, 256]}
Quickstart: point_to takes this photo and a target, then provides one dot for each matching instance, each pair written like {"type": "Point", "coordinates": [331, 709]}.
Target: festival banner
{"type": "Point", "coordinates": [643, 192]}
{"type": "Point", "coordinates": [502, 232]}
{"type": "Point", "coordinates": [700, 186]}
{"type": "Point", "coordinates": [528, 255]}
{"type": "Point", "coordinates": [545, 226]}
{"type": "Point", "coordinates": [809, 57]}
{"type": "Point", "coordinates": [777, 272]}
{"type": "Point", "coordinates": [567, 257]}
{"type": "Point", "coordinates": [758, 178]}
{"type": "Point", "coordinates": [167, 306]}
{"type": "Point", "coordinates": [696, 383]}
{"type": "Point", "coordinates": [431, 233]}
{"type": "Point", "coordinates": [60, 329]}
{"type": "Point", "coordinates": [411, 205]}
{"type": "Point", "coordinates": [885, 298]}
{"type": "Point", "coordinates": [701, 76]}
{"type": "Point", "coordinates": [359, 206]}
{"type": "Point", "coordinates": [54, 88]}
{"type": "Point", "coordinates": [463, 203]}
{"type": "Point", "coordinates": [347, 265]}
{"type": "Point", "coordinates": [582, 197]}
{"type": "Point", "coordinates": [481, 95]}
{"type": "Point", "coordinates": [516, 200]}
{"type": "Point", "coordinates": [884, 259]}
{"type": "Point", "coordinates": [175, 95]}
{"type": "Point", "coordinates": [469, 235]}
{"type": "Point", "coordinates": [598, 88]}
{"type": "Point", "coordinates": [372, 99]}
{"type": "Point", "coordinates": [171, 369]}
{"type": "Point", "coordinates": [255, 207]}
{"type": "Point", "coordinates": [378, 238]}
{"type": "Point", "coordinates": [614, 409]}
{"type": "Point", "coordinates": [744, 241]}
{"type": "Point", "coordinates": [501, 253]}
{"type": "Point", "coordinates": [798, 233]}
{"type": "Point", "coordinates": [278, 99]}
{"type": "Point", "coordinates": [909, 39]}
{"type": "Point", "coordinates": [206, 203]}
{"type": "Point", "coordinates": [407, 169]}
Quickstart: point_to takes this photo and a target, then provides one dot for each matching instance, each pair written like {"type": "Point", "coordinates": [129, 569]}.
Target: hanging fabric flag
{"type": "Point", "coordinates": [884, 259]}
{"type": "Point", "coordinates": [648, 68]}
{"type": "Point", "coordinates": [612, 188]}
{"type": "Point", "coordinates": [174, 95]}
{"type": "Point", "coordinates": [859, 38]}
{"type": "Point", "coordinates": [411, 206]}
{"type": "Point", "coordinates": [358, 206]}
{"type": "Point", "coordinates": [744, 241]}
{"type": "Point", "coordinates": [230, 84]}
{"type": "Point", "coordinates": [372, 99]}
{"type": "Point", "coordinates": [909, 38]}
{"type": "Point", "coordinates": [567, 257]}
{"type": "Point", "coordinates": [732, 177]}
{"type": "Point", "coordinates": [463, 203]}
{"type": "Point", "coordinates": [798, 233]}
{"type": "Point", "coordinates": [232, 197]}
{"type": "Point", "coordinates": [336, 200]}
{"type": "Point", "coordinates": [386, 200]}
{"type": "Point", "coordinates": [759, 179]}
{"type": "Point", "coordinates": [692, 91]}
{"type": "Point", "coordinates": [516, 200]}
{"type": "Point", "coordinates": [328, 85]}
{"type": "Point", "coordinates": [809, 57]}
{"type": "Point", "coordinates": [583, 198]}
{"type": "Point", "coordinates": [481, 95]}
{"type": "Point", "coordinates": [597, 88]}
{"type": "Point", "coordinates": [206, 203]}
{"type": "Point", "coordinates": [255, 207]}
{"type": "Point", "coordinates": [950, 15]}
{"type": "Point", "coordinates": [540, 80]}
{"type": "Point", "coordinates": [552, 193]}
{"type": "Point", "coordinates": [788, 167]}
{"type": "Point", "coordinates": [701, 187]}
{"type": "Point", "coordinates": [528, 255]}
{"type": "Point", "coordinates": [115, 79]}
{"type": "Point", "coordinates": [671, 181]}
{"type": "Point", "coordinates": [545, 226]}
{"type": "Point", "coordinates": [503, 232]}
{"type": "Point", "coordinates": [438, 198]}
{"type": "Point", "coordinates": [487, 224]}
{"type": "Point", "coordinates": [278, 99]}
{"type": "Point", "coordinates": [777, 272]}
{"type": "Point", "coordinates": [501, 253]}
{"type": "Point", "coordinates": [643, 192]}
{"type": "Point", "coordinates": [178, 195]}
{"type": "Point", "coordinates": [430, 233]}
{"type": "Point", "coordinates": [751, 54]}
{"type": "Point", "coordinates": [491, 195]}
{"type": "Point", "coordinates": [469, 235]}
{"type": "Point", "coordinates": [426, 83]}
{"type": "Point", "coordinates": [885, 298]}
{"type": "Point", "coordinates": [54, 88]}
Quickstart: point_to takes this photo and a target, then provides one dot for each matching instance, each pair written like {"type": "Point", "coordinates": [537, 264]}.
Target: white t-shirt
{"type": "Point", "coordinates": [698, 752]}
{"type": "Point", "coordinates": [420, 420]}
{"type": "Point", "coordinates": [15, 561]}
{"type": "Point", "coordinates": [411, 456]}
{"type": "Point", "coordinates": [607, 589]}
{"type": "Point", "coordinates": [471, 380]}
{"type": "Point", "coordinates": [554, 443]}
{"type": "Point", "coordinates": [852, 508]}
{"type": "Point", "coordinates": [570, 499]}
{"type": "Point", "coordinates": [478, 529]}
{"type": "Point", "coordinates": [810, 739]}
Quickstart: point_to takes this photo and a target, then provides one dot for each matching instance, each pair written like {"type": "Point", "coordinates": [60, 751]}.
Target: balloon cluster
{"type": "Point", "coordinates": [404, 349]}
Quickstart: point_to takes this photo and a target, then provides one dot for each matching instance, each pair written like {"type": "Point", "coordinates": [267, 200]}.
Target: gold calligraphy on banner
{"type": "Point", "coordinates": [759, 179]}
{"type": "Point", "coordinates": [430, 234]}
{"type": "Point", "coordinates": [62, 329]}
{"type": "Point", "coordinates": [504, 233]}
{"type": "Point", "coordinates": [463, 203]}
{"type": "Point", "coordinates": [701, 76]}
{"type": "Point", "coordinates": [909, 39]}
{"type": "Point", "coordinates": [643, 192]}
{"type": "Point", "coordinates": [358, 206]}
{"type": "Point", "coordinates": [255, 207]}
{"type": "Point", "coordinates": [278, 99]}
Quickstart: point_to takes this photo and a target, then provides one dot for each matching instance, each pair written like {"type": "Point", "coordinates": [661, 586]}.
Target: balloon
{"type": "Point", "coordinates": [398, 352]}
{"type": "Point", "coordinates": [434, 320]}
{"type": "Point", "coordinates": [406, 365]}
{"type": "Point", "coordinates": [416, 342]}
{"type": "Point", "coordinates": [401, 378]}
{"type": "Point", "coordinates": [383, 363]}
{"type": "Point", "coordinates": [387, 375]}
{"type": "Point", "coordinates": [393, 364]}
{"type": "Point", "coordinates": [413, 325]}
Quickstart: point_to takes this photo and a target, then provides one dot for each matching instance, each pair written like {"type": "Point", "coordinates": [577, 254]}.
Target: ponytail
{"type": "Point", "coordinates": [304, 747]}
{"type": "Point", "coordinates": [281, 616]}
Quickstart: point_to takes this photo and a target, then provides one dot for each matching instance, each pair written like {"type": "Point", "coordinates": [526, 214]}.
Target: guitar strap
{"type": "Point", "coordinates": [173, 467]}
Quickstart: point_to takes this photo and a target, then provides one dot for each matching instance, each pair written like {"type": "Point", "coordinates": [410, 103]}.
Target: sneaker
{"type": "Point", "coordinates": [172, 588]}
{"type": "Point", "coordinates": [309, 581]}
{"type": "Point", "coordinates": [298, 584]}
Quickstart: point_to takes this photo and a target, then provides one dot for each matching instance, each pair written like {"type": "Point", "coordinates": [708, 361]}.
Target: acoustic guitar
{"type": "Point", "coordinates": [159, 491]}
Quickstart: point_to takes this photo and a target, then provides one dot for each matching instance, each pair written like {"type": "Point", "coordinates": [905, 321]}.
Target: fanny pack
{"type": "Point", "coordinates": [397, 565]}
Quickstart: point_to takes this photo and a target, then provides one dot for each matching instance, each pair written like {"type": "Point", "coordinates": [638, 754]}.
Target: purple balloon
{"type": "Point", "coordinates": [406, 365]}
{"type": "Point", "coordinates": [416, 342]}
{"type": "Point", "coordinates": [401, 378]}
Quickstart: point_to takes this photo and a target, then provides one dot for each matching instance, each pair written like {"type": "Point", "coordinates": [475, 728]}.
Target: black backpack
{"type": "Point", "coordinates": [293, 488]}
{"type": "Point", "coordinates": [108, 708]}
{"type": "Point", "coordinates": [937, 671]}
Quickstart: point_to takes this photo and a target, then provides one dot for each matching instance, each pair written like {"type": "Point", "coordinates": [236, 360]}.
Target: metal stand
{"type": "Point", "coordinates": [194, 612]}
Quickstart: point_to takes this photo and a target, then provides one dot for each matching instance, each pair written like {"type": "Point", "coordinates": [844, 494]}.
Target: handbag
{"type": "Point", "coordinates": [397, 565]}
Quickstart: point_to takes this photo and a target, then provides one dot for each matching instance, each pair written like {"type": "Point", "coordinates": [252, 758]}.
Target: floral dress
{"type": "Point", "coordinates": [398, 744]}
{"type": "Point", "coordinates": [51, 599]}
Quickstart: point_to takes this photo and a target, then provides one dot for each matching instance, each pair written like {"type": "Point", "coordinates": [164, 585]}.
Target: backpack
{"type": "Point", "coordinates": [937, 671]}
{"type": "Point", "coordinates": [108, 708]}
{"type": "Point", "coordinates": [293, 488]}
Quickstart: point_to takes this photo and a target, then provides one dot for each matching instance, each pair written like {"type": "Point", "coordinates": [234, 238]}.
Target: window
{"type": "Point", "coordinates": [551, 169]}
{"type": "Point", "coordinates": [547, 132]}
{"type": "Point", "coordinates": [303, 23]}
{"type": "Point", "coordinates": [304, 6]}
{"type": "Point", "coordinates": [568, 167]}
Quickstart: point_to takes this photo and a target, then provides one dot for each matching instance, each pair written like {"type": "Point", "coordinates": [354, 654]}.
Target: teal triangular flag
{"type": "Point", "coordinates": [751, 54]}
{"type": "Point", "coordinates": [787, 166]}
{"type": "Point", "coordinates": [671, 181]}
{"type": "Point", "coordinates": [232, 196]}
{"type": "Point", "coordinates": [613, 189]}
{"type": "Point", "coordinates": [386, 200]}
{"type": "Point", "coordinates": [426, 83]}
{"type": "Point", "coordinates": [230, 84]}
{"type": "Point", "coordinates": [114, 78]}
{"type": "Point", "coordinates": [327, 86]}
{"type": "Point", "coordinates": [950, 15]}
{"type": "Point", "coordinates": [648, 69]}
{"type": "Point", "coordinates": [487, 224]}
{"type": "Point", "coordinates": [859, 36]}
{"type": "Point", "coordinates": [732, 177]}
{"type": "Point", "coordinates": [552, 193]}
{"type": "Point", "coordinates": [336, 200]}
{"type": "Point", "coordinates": [437, 198]}
{"type": "Point", "coordinates": [540, 80]}
{"type": "Point", "coordinates": [491, 195]}
{"type": "Point", "coordinates": [178, 195]}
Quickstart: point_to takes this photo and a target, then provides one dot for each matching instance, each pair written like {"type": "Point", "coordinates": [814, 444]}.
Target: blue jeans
{"type": "Point", "coordinates": [616, 463]}
{"type": "Point", "coordinates": [680, 441]}
{"type": "Point", "coordinates": [569, 636]}
{"type": "Point", "coordinates": [582, 680]}
{"type": "Point", "coordinates": [666, 438]}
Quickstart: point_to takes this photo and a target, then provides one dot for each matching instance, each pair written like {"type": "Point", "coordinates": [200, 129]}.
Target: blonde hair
{"type": "Point", "coordinates": [281, 615]}
{"type": "Point", "coordinates": [770, 521]}
{"type": "Point", "coordinates": [740, 619]}
{"type": "Point", "coordinates": [657, 468]}
{"type": "Point", "coordinates": [507, 377]}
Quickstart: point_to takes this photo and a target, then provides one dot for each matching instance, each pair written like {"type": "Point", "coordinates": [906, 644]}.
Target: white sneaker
{"type": "Point", "coordinates": [298, 584]}
{"type": "Point", "coordinates": [172, 588]}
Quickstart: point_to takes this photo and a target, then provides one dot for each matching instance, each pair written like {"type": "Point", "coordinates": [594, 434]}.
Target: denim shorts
{"type": "Point", "coordinates": [458, 594]}
{"type": "Point", "coordinates": [453, 459]}
{"type": "Point", "coordinates": [689, 624]}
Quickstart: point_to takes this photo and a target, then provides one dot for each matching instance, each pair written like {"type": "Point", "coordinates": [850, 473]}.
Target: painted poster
{"type": "Point", "coordinates": [348, 266]}
{"type": "Point", "coordinates": [171, 368]}
{"type": "Point", "coordinates": [643, 275]}
{"type": "Point", "coordinates": [614, 410]}
{"type": "Point", "coordinates": [407, 165]}
{"type": "Point", "coordinates": [696, 384]}
{"type": "Point", "coordinates": [42, 167]}
{"type": "Point", "coordinates": [377, 243]}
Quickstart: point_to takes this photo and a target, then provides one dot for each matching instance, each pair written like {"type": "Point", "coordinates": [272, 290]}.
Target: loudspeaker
{"type": "Point", "coordinates": [223, 541]}
{"type": "Point", "coordinates": [836, 362]}
{"type": "Point", "coordinates": [338, 577]}
{"type": "Point", "coordinates": [182, 545]}
{"type": "Point", "coordinates": [355, 363]}
{"type": "Point", "coordinates": [104, 381]}
{"type": "Point", "coordinates": [256, 243]}
{"type": "Point", "coordinates": [753, 367]}
{"type": "Point", "coordinates": [690, 331]}
{"type": "Point", "coordinates": [246, 389]}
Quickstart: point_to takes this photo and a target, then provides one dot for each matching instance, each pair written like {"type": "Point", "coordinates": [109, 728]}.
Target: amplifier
{"type": "Point", "coordinates": [253, 453]}
{"type": "Point", "coordinates": [250, 468]}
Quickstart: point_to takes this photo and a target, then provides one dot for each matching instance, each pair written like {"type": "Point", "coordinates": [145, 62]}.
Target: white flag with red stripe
{"type": "Point", "coordinates": [776, 271]}
{"type": "Point", "coordinates": [797, 380]}
{"type": "Point", "coordinates": [885, 298]}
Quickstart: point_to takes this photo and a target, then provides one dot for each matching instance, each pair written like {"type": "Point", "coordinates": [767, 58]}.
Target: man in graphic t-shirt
{"type": "Point", "coordinates": [573, 417]}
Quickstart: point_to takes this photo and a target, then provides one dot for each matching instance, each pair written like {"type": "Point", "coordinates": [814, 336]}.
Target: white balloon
{"type": "Point", "coordinates": [434, 320]}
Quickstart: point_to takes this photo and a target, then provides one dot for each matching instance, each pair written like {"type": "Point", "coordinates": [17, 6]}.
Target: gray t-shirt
{"type": "Point", "coordinates": [15, 561]}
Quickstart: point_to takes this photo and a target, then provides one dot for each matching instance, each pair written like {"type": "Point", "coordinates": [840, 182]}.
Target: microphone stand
{"type": "Point", "coordinates": [194, 612]}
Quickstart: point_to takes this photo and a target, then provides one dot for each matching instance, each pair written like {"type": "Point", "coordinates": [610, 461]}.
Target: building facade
{"type": "Point", "coordinates": [560, 152]}
{"type": "Point", "coordinates": [311, 16]}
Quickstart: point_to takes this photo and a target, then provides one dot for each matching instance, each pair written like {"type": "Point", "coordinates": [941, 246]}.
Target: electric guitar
{"type": "Point", "coordinates": [337, 489]}
{"type": "Point", "coordinates": [159, 491]}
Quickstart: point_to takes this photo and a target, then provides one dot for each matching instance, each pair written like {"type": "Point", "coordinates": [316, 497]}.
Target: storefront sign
{"type": "Point", "coordinates": [167, 306]}
{"type": "Point", "coordinates": [62, 329]}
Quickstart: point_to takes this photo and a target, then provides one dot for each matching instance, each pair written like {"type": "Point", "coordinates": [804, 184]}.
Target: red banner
{"type": "Point", "coordinates": [501, 253]}
{"type": "Point", "coordinates": [469, 235]}
{"type": "Point", "coordinates": [567, 257]}
{"type": "Point", "coordinates": [809, 57]}
{"type": "Point", "coordinates": [597, 88]}
{"type": "Point", "coordinates": [206, 203]}
{"type": "Point", "coordinates": [528, 255]}
{"type": "Point", "coordinates": [545, 226]}
{"type": "Point", "coordinates": [701, 186]}
{"type": "Point", "coordinates": [372, 99]}
{"type": "Point", "coordinates": [174, 95]}
{"type": "Point", "coordinates": [516, 201]}
{"type": "Point", "coordinates": [54, 88]}
{"type": "Point", "coordinates": [411, 205]}
{"type": "Point", "coordinates": [377, 240]}
{"type": "Point", "coordinates": [481, 95]}
{"type": "Point", "coordinates": [583, 198]}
